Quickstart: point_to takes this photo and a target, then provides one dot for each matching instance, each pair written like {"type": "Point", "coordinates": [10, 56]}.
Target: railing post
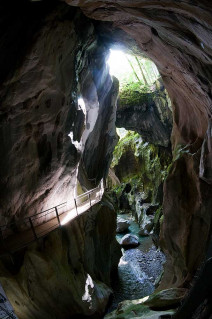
{"type": "Point", "coordinates": [90, 200]}
{"type": "Point", "coordinates": [33, 229]}
{"type": "Point", "coordinates": [57, 216]}
{"type": "Point", "coordinates": [75, 201]}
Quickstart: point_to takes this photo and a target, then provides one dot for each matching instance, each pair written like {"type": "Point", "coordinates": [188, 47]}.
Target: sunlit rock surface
{"type": "Point", "coordinates": [177, 37]}
{"type": "Point", "coordinates": [68, 272]}
{"type": "Point", "coordinates": [44, 130]}
{"type": "Point", "coordinates": [38, 159]}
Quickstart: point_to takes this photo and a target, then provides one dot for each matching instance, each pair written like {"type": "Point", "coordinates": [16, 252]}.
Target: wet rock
{"type": "Point", "coordinates": [124, 202]}
{"type": "Point", "coordinates": [151, 306]}
{"type": "Point", "coordinates": [168, 298]}
{"type": "Point", "coordinates": [146, 226]}
{"type": "Point", "coordinates": [129, 241]}
{"type": "Point", "coordinates": [122, 225]}
{"type": "Point", "coordinates": [135, 309]}
{"type": "Point", "coordinates": [146, 218]}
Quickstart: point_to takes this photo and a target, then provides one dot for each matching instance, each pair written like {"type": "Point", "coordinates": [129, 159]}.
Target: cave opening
{"type": "Point", "coordinates": [140, 164]}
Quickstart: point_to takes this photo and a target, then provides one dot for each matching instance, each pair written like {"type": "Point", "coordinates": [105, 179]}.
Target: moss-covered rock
{"type": "Point", "coordinates": [141, 169]}
{"type": "Point", "coordinates": [144, 166]}
{"type": "Point", "coordinates": [147, 111]}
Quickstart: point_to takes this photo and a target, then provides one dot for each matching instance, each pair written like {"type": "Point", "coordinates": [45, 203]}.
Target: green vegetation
{"type": "Point", "coordinates": [139, 85]}
{"type": "Point", "coordinates": [134, 94]}
{"type": "Point", "coordinates": [150, 165]}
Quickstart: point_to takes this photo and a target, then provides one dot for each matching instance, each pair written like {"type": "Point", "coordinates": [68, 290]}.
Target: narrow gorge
{"type": "Point", "coordinates": [105, 185]}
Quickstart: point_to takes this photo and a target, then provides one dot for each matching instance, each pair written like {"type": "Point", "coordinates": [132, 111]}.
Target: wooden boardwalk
{"type": "Point", "coordinates": [21, 239]}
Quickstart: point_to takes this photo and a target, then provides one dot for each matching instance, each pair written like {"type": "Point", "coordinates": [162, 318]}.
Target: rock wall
{"type": "Point", "coordinates": [42, 125]}
{"type": "Point", "coordinates": [38, 159]}
{"type": "Point", "coordinates": [177, 37]}
{"type": "Point", "coordinates": [141, 169]}
{"type": "Point", "coordinates": [38, 82]}
{"type": "Point", "coordinates": [147, 113]}
{"type": "Point", "coordinates": [67, 274]}
{"type": "Point", "coordinates": [99, 91]}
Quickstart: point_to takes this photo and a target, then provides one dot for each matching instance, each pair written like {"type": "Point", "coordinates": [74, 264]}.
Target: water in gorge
{"type": "Point", "coordinates": [138, 269]}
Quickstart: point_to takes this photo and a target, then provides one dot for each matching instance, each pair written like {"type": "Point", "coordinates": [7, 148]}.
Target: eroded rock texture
{"type": "Point", "coordinates": [38, 159]}
{"type": "Point", "coordinates": [60, 61]}
{"type": "Point", "coordinates": [177, 37]}
{"type": "Point", "coordinates": [99, 91]}
{"type": "Point", "coordinates": [149, 115]}
{"type": "Point", "coordinates": [67, 273]}
{"type": "Point", "coordinates": [39, 109]}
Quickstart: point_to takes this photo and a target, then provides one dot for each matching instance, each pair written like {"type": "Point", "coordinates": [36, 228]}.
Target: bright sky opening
{"type": "Point", "coordinates": [118, 63]}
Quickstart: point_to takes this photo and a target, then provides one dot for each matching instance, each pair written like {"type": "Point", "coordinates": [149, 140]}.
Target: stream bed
{"type": "Point", "coordinates": [138, 268]}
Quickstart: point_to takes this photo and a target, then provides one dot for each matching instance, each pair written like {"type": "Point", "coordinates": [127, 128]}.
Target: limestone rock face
{"type": "Point", "coordinates": [43, 129]}
{"type": "Point", "coordinates": [177, 37]}
{"type": "Point", "coordinates": [145, 216]}
{"type": "Point", "coordinates": [68, 272]}
{"type": "Point", "coordinates": [149, 115]}
{"type": "Point", "coordinates": [100, 143]}
{"type": "Point", "coordinates": [38, 159]}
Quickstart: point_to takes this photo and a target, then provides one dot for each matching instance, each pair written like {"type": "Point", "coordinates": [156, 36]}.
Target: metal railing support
{"type": "Point", "coordinates": [75, 201]}
{"type": "Point", "coordinates": [90, 201]}
{"type": "Point", "coordinates": [57, 216]}
{"type": "Point", "coordinates": [33, 228]}
{"type": "Point", "coordinates": [88, 195]}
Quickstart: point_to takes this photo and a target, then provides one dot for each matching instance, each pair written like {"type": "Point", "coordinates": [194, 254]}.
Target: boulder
{"type": "Point", "coordinates": [146, 218]}
{"type": "Point", "coordinates": [150, 307]}
{"type": "Point", "coordinates": [129, 241]}
{"type": "Point", "coordinates": [146, 227]}
{"type": "Point", "coordinates": [122, 225]}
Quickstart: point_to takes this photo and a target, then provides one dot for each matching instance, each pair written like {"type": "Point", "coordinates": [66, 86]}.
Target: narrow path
{"type": "Point", "coordinates": [19, 239]}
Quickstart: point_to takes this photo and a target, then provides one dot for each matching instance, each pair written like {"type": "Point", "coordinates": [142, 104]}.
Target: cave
{"type": "Point", "coordinates": [58, 122]}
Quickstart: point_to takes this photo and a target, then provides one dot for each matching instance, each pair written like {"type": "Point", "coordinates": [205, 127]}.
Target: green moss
{"type": "Point", "coordinates": [157, 215]}
{"type": "Point", "coordinates": [129, 141]}
{"type": "Point", "coordinates": [134, 94]}
{"type": "Point", "coordinates": [151, 165]}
